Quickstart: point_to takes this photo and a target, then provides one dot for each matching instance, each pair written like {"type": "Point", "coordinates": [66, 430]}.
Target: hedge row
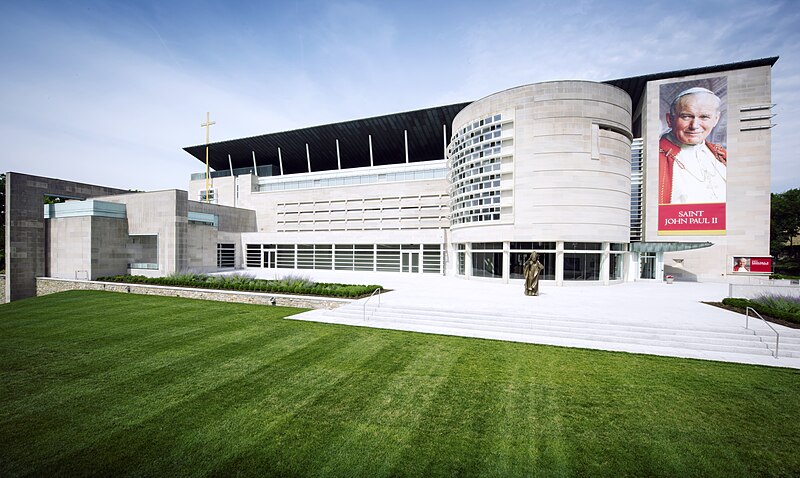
{"type": "Point", "coordinates": [763, 309]}
{"type": "Point", "coordinates": [300, 287]}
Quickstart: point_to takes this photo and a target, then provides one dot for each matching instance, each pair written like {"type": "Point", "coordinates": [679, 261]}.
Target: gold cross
{"type": "Point", "coordinates": [207, 126]}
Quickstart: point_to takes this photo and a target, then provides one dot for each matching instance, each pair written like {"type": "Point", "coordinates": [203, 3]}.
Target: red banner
{"type": "Point", "coordinates": [691, 219]}
{"type": "Point", "coordinates": [752, 264]}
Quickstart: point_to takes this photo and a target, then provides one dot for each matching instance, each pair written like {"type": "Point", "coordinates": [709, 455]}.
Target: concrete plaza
{"type": "Point", "coordinates": [645, 306]}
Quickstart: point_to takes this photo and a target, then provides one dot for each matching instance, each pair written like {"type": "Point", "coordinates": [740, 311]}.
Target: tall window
{"type": "Point", "coordinates": [487, 259]}
{"type": "Point", "coordinates": [226, 255]}
{"type": "Point", "coordinates": [520, 251]}
{"type": "Point", "coordinates": [617, 261]}
{"type": "Point", "coordinates": [579, 263]}
{"type": "Point", "coordinates": [143, 251]}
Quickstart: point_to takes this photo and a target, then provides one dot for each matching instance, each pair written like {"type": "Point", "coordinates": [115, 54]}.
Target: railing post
{"type": "Point", "coordinates": [777, 335]}
{"type": "Point", "coordinates": [378, 291]}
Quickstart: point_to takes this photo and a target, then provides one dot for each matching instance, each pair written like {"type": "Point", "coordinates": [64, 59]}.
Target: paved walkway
{"type": "Point", "coordinates": [678, 304]}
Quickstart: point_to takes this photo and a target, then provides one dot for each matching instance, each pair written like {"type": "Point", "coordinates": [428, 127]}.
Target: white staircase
{"type": "Point", "coordinates": [728, 343]}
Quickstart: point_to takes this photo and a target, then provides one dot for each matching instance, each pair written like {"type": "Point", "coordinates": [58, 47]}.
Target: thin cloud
{"type": "Point", "coordinates": [110, 93]}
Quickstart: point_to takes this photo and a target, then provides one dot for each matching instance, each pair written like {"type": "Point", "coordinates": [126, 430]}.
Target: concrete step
{"type": "Point", "coordinates": [787, 337]}
{"type": "Point", "coordinates": [546, 329]}
{"type": "Point", "coordinates": [494, 316]}
{"type": "Point", "coordinates": [753, 346]}
{"type": "Point", "coordinates": [734, 333]}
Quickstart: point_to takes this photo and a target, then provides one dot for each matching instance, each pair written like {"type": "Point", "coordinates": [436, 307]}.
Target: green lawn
{"type": "Point", "coordinates": [96, 383]}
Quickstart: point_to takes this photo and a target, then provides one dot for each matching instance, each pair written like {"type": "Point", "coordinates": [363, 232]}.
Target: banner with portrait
{"type": "Point", "coordinates": [692, 157]}
{"type": "Point", "coordinates": [751, 264]}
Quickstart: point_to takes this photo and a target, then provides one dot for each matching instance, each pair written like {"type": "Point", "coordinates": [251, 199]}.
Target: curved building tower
{"type": "Point", "coordinates": [546, 168]}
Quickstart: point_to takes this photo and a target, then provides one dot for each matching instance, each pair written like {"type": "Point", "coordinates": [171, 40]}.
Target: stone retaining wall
{"type": "Point", "coordinates": [752, 291]}
{"type": "Point", "coordinates": [2, 289]}
{"type": "Point", "coordinates": [48, 285]}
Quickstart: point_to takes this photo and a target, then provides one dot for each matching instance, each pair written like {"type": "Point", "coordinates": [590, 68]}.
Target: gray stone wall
{"type": "Point", "coordinates": [202, 248]}
{"type": "Point", "coordinates": [159, 213]}
{"type": "Point", "coordinates": [231, 219]}
{"type": "Point", "coordinates": [2, 289]}
{"type": "Point", "coordinates": [782, 288]}
{"type": "Point", "coordinates": [47, 285]}
{"type": "Point", "coordinates": [86, 247]}
{"type": "Point", "coordinates": [109, 254]}
{"type": "Point", "coordinates": [25, 226]}
{"type": "Point", "coordinates": [70, 250]}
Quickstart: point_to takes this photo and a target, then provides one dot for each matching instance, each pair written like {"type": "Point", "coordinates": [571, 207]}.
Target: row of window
{"type": "Point", "coordinates": [477, 124]}
{"type": "Point", "coordinates": [412, 258]}
{"type": "Point", "coordinates": [577, 267]}
{"type": "Point", "coordinates": [463, 150]}
{"type": "Point", "coordinates": [479, 168]}
{"type": "Point", "coordinates": [546, 246]}
{"type": "Point", "coordinates": [362, 202]}
{"type": "Point", "coordinates": [418, 207]}
{"type": "Point", "coordinates": [475, 164]}
{"type": "Point", "coordinates": [437, 173]}
{"type": "Point", "coordinates": [485, 152]}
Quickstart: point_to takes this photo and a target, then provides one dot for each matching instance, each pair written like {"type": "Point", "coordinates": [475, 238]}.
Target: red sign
{"type": "Point", "coordinates": [691, 219]}
{"type": "Point", "coordinates": [752, 264]}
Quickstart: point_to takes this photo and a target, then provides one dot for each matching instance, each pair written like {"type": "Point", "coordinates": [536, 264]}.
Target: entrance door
{"type": "Point", "coordinates": [269, 259]}
{"type": "Point", "coordinates": [410, 262]}
{"type": "Point", "coordinates": [647, 265]}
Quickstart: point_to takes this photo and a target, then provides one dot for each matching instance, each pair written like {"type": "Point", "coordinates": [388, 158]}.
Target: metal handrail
{"type": "Point", "coordinates": [378, 291]}
{"type": "Point", "coordinates": [747, 323]}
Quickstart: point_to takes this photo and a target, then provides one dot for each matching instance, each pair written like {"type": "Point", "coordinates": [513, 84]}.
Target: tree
{"type": "Point", "coordinates": [784, 230]}
{"type": "Point", "coordinates": [3, 222]}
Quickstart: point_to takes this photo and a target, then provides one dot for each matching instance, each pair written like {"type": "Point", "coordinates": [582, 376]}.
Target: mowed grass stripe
{"type": "Point", "coordinates": [149, 386]}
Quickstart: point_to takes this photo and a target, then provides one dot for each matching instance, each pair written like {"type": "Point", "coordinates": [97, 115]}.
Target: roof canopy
{"type": "Point", "coordinates": [667, 246]}
{"type": "Point", "coordinates": [426, 141]}
{"type": "Point", "coordinates": [635, 85]}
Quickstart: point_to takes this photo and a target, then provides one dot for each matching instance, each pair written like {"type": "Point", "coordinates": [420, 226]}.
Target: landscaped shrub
{"type": "Point", "coordinates": [300, 282]}
{"type": "Point", "coordinates": [790, 305]}
{"type": "Point", "coordinates": [779, 307]}
{"type": "Point", "coordinates": [246, 282]}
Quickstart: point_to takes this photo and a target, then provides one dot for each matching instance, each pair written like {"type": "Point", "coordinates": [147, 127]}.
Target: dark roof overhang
{"type": "Point", "coordinates": [635, 85]}
{"type": "Point", "coordinates": [426, 141]}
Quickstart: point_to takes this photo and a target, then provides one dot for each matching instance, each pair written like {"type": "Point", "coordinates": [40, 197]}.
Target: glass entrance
{"type": "Point", "coordinates": [410, 262]}
{"type": "Point", "coordinates": [647, 265]}
{"type": "Point", "coordinates": [269, 258]}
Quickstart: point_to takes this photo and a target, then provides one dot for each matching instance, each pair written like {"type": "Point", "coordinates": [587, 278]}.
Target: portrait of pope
{"type": "Point", "coordinates": [692, 169]}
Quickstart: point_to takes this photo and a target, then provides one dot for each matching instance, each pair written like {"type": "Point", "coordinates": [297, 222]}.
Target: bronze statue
{"type": "Point", "coordinates": [532, 268]}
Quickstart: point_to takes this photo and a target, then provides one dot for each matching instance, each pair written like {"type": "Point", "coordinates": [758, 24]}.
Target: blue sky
{"type": "Point", "coordinates": [109, 92]}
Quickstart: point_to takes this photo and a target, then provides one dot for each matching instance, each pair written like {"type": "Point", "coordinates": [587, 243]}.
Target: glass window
{"type": "Point", "coordinates": [143, 251]}
{"type": "Point", "coordinates": [322, 256]}
{"type": "Point", "coordinates": [533, 246]}
{"type": "Point", "coordinates": [581, 266]}
{"type": "Point", "coordinates": [548, 260]}
{"type": "Point", "coordinates": [226, 255]}
{"type": "Point", "coordinates": [491, 246]}
{"type": "Point", "coordinates": [487, 264]}
{"type": "Point", "coordinates": [286, 256]}
{"type": "Point", "coordinates": [615, 266]}
{"type": "Point", "coordinates": [583, 246]}
{"type": "Point", "coordinates": [253, 255]}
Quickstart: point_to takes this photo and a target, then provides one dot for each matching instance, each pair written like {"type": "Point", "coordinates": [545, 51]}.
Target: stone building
{"type": "Point", "coordinates": [575, 170]}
